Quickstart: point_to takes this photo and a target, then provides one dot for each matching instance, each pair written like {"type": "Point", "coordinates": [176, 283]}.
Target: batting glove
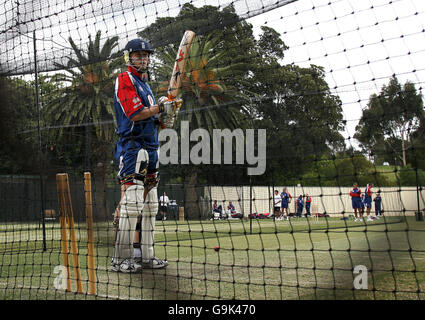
{"type": "Point", "coordinates": [169, 107]}
{"type": "Point", "coordinates": [168, 121]}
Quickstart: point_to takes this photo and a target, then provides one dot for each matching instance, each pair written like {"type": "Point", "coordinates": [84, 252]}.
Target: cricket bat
{"type": "Point", "coordinates": [174, 86]}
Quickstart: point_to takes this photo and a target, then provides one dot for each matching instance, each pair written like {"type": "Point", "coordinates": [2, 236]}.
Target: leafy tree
{"type": "Point", "coordinates": [407, 176]}
{"type": "Point", "coordinates": [86, 89]}
{"type": "Point", "coordinates": [343, 170]}
{"type": "Point", "coordinates": [215, 92]}
{"type": "Point", "coordinates": [390, 120]}
{"type": "Point", "coordinates": [293, 103]}
{"type": "Point", "coordinates": [270, 46]}
{"type": "Point", "coordinates": [84, 95]}
{"type": "Point", "coordinates": [235, 37]}
{"type": "Point", "coordinates": [203, 91]}
{"type": "Point", "coordinates": [18, 150]}
{"type": "Point", "coordinates": [204, 20]}
{"type": "Point", "coordinates": [204, 96]}
{"type": "Point", "coordinates": [416, 156]}
{"type": "Point", "coordinates": [302, 117]}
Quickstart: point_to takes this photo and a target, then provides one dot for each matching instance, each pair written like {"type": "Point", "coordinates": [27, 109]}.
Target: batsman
{"type": "Point", "coordinates": [138, 118]}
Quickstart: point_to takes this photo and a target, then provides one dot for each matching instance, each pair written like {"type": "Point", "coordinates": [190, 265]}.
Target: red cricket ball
{"type": "Point", "coordinates": [217, 248]}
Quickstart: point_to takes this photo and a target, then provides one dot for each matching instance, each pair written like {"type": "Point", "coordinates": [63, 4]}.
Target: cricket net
{"type": "Point", "coordinates": [286, 105]}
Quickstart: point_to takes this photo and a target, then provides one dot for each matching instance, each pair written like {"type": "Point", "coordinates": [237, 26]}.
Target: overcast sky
{"type": "Point", "coordinates": [360, 43]}
{"type": "Point", "coordinates": [352, 50]}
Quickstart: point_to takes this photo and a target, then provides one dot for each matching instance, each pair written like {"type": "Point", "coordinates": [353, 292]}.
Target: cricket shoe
{"type": "Point", "coordinates": [154, 263]}
{"type": "Point", "coordinates": [126, 266]}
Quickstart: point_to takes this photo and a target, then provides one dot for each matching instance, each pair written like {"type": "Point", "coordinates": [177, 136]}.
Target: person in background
{"type": "Point", "coordinates": [217, 208]}
{"type": "Point", "coordinates": [300, 206]}
{"type": "Point", "coordinates": [356, 202]}
{"type": "Point", "coordinates": [163, 203]}
{"type": "Point", "coordinates": [231, 207]}
{"type": "Point", "coordinates": [307, 205]}
{"type": "Point", "coordinates": [277, 204]}
{"type": "Point", "coordinates": [367, 200]}
{"type": "Point", "coordinates": [286, 200]}
{"type": "Point", "coordinates": [378, 205]}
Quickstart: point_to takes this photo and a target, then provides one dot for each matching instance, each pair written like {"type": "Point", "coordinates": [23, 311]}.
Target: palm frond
{"type": "Point", "coordinates": [87, 86]}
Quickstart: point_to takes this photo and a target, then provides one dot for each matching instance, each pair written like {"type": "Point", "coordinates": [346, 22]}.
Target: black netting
{"type": "Point", "coordinates": [287, 106]}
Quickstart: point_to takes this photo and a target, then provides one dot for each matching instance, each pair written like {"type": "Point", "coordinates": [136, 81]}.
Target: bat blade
{"type": "Point", "coordinates": [180, 64]}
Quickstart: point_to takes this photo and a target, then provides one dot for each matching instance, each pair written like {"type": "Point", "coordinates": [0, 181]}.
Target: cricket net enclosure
{"type": "Point", "coordinates": [287, 106]}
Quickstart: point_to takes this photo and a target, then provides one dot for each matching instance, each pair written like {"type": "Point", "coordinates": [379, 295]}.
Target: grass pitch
{"type": "Point", "coordinates": [258, 259]}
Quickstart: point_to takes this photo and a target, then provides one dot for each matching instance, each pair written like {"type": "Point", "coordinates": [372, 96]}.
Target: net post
{"type": "Point", "coordinates": [418, 214]}
{"type": "Point", "coordinates": [37, 102]}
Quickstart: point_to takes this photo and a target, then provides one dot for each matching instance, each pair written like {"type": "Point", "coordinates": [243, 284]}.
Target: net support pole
{"type": "Point", "coordinates": [419, 215]}
{"type": "Point", "coordinates": [243, 202]}
{"type": "Point", "coordinates": [273, 189]}
{"type": "Point", "coordinates": [250, 179]}
{"type": "Point", "coordinates": [270, 199]}
{"type": "Point", "coordinates": [37, 103]}
{"type": "Point", "coordinates": [250, 204]}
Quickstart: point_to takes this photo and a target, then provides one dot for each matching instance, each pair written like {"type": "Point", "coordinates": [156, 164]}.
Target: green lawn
{"type": "Point", "coordinates": [258, 259]}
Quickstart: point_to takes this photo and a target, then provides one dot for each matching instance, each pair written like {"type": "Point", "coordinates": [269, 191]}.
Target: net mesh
{"type": "Point", "coordinates": [286, 105]}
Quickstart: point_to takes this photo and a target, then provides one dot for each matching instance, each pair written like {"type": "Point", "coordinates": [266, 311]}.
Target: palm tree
{"type": "Point", "coordinates": [88, 90]}
{"type": "Point", "coordinates": [85, 95]}
{"type": "Point", "coordinates": [209, 101]}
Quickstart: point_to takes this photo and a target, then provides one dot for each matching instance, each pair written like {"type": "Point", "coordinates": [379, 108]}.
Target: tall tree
{"type": "Point", "coordinates": [226, 46]}
{"type": "Point", "coordinates": [203, 20]}
{"type": "Point", "coordinates": [18, 114]}
{"type": "Point", "coordinates": [205, 97]}
{"type": "Point", "coordinates": [390, 119]}
{"type": "Point", "coordinates": [303, 117]}
{"type": "Point", "coordinates": [85, 96]}
{"type": "Point", "coordinates": [235, 36]}
{"type": "Point", "coordinates": [284, 99]}
{"type": "Point", "coordinates": [343, 169]}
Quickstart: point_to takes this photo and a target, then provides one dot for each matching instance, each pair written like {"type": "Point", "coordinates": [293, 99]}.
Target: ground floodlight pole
{"type": "Point", "coordinates": [37, 103]}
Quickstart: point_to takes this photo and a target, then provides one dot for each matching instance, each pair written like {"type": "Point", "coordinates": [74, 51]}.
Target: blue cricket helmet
{"type": "Point", "coordinates": [138, 45]}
